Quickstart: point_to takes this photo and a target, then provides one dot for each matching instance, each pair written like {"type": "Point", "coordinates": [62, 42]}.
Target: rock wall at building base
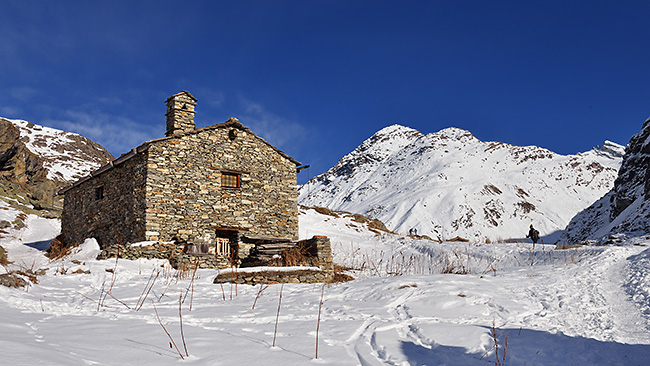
{"type": "Point", "coordinates": [156, 250]}
{"type": "Point", "coordinates": [272, 277]}
{"type": "Point", "coordinates": [189, 262]}
{"type": "Point", "coordinates": [314, 252]}
{"type": "Point", "coordinates": [167, 251]}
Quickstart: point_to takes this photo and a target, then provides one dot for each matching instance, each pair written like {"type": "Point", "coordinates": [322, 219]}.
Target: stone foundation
{"type": "Point", "coordinates": [271, 277]}
{"type": "Point", "coordinates": [314, 252]}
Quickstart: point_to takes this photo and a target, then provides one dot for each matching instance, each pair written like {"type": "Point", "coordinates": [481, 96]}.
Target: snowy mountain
{"type": "Point", "coordinates": [625, 210]}
{"type": "Point", "coordinates": [449, 184]}
{"type": "Point", "coordinates": [66, 156]}
{"type": "Point", "coordinates": [35, 161]}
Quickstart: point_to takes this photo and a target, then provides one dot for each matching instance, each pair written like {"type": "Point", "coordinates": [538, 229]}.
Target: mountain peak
{"type": "Point", "coordinates": [449, 183]}
{"type": "Point", "coordinates": [395, 128]}
{"type": "Point", "coordinates": [67, 156]}
{"type": "Point", "coordinates": [608, 149]}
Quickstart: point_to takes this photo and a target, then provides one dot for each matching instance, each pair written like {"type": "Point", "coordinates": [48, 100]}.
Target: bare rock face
{"type": "Point", "coordinates": [633, 179]}
{"type": "Point", "coordinates": [21, 171]}
{"type": "Point", "coordinates": [36, 161]}
{"type": "Point", "coordinates": [625, 210]}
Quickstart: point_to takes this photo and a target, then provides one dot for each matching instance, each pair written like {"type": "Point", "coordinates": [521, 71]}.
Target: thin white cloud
{"type": "Point", "coordinates": [275, 129]}
{"type": "Point", "coordinates": [216, 99]}
{"type": "Point", "coordinates": [23, 93]}
{"type": "Point", "coordinates": [118, 134]}
{"type": "Point", "coordinates": [10, 112]}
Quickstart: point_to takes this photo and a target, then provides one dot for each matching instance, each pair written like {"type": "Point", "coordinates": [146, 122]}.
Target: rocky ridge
{"type": "Point", "coordinates": [449, 184]}
{"type": "Point", "coordinates": [625, 210]}
{"type": "Point", "coordinates": [36, 161]}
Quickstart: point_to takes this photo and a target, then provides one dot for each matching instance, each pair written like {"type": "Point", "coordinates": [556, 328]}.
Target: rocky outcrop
{"type": "Point", "coordinates": [21, 171]}
{"type": "Point", "coordinates": [36, 161]}
{"type": "Point", "coordinates": [625, 210]}
{"type": "Point", "coordinates": [633, 180]}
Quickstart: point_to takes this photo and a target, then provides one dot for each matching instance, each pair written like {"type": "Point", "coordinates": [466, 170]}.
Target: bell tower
{"type": "Point", "coordinates": [180, 113]}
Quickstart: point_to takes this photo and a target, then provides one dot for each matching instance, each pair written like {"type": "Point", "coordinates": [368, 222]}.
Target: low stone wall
{"type": "Point", "coordinates": [157, 250]}
{"type": "Point", "coordinates": [321, 248]}
{"type": "Point", "coordinates": [271, 277]}
{"type": "Point", "coordinates": [188, 262]}
{"type": "Point", "coordinates": [164, 250]}
{"type": "Point", "coordinates": [314, 252]}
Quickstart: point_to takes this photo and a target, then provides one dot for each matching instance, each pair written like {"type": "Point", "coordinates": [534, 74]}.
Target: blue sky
{"type": "Point", "coordinates": [316, 78]}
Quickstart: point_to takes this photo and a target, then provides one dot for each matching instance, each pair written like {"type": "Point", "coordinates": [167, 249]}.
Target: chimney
{"type": "Point", "coordinates": [180, 113]}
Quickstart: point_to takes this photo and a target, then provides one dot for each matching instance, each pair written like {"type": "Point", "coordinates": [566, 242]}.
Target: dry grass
{"type": "Point", "coordinates": [296, 256]}
{"type": "Point", "coordinates": [58, 248]}
{"type": "Point", "coordinates": [449, 260]}
{"type": "Point", "coordinates": [4, 261]}
{"type": "Point", "coordinates": [454, 264]}
{"type": "Point", "coordinates": [341, 277]}
{"type": "Point", "coordinates": [567, 246]}
{"type": "Point", "coordinates": [325, 211]}
{"type": "Point", "coordinates": [21, 277]}
{"type": "Point", "coordinates": [500, 360]}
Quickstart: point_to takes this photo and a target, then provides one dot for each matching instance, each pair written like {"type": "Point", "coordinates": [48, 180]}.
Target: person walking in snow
{"type": "Point", "coordinates": [533, 234]}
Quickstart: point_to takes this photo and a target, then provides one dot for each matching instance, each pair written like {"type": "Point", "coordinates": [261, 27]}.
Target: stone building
{"type": "Point", "coordinates": [216, 189]}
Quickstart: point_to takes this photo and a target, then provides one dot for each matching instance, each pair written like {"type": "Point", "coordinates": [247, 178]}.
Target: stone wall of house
{"type": "Point", "coordinates": [185, 198]}
{"type": "Point", "coordinates": [109, 207]}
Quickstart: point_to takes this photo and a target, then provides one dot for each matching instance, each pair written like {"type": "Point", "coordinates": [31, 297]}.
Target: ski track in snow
{"type": "Point", "coordinates": [567, 301]}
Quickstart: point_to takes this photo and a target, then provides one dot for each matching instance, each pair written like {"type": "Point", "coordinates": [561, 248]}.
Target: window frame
{"type": "Point", "coordinates": [230, 174]}
{"type": "Point", "coordinates": [99, 193]}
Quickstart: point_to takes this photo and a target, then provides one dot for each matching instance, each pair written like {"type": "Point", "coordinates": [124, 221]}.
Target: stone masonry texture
{"type": "Point", "coordinates": [171, 189]}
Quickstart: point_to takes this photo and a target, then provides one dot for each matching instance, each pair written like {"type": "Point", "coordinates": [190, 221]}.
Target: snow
{"type": "Point", "coordinates": [449, 184]}
{"type": "Point", "coordinates": [583, 306]}
{"type": "Point", "coordinates": [7, 213]}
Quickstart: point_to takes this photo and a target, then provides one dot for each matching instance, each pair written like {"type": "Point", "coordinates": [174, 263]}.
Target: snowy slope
{"type": "Point", "coordinates": [449, 184]}
{"type": "Point", "coordinates": [67, 156]}
{"type": "Point", "coordinates": [586, 306]}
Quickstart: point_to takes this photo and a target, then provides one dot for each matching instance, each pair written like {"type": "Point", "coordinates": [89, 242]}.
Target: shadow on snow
{"type": "Point", "coordinates": [40, 245]}
{"type": "Point", "coordinates": [532, 347]}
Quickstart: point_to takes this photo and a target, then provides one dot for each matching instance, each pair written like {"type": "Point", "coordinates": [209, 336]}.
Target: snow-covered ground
{"type": "Point", "coordinates": [586, 306]}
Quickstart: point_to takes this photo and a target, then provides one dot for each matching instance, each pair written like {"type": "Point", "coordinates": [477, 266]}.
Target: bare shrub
{"type": "Point", "coordinates": [3, 257]}
{"type": "Point", "coordinates": [341, 277]}
{"type": "Point", "coordinates": [565, 246]}
{"type": "Point", "coordinates": [58, 248]}
{"type": "Point", "coordinates": [296, 256]}
{"type": "Point", "coordinates": [500, 360]}
{"type": "Point", "coordinates": [325, 211]}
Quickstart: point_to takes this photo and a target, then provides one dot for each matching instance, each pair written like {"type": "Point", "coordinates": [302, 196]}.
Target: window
{"type": "Point", "coordinates": [99, 193]}
{"type": "Point", "coordinates": [230, 180]}
{"type": "Point", "coordinates": [223, 247]}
